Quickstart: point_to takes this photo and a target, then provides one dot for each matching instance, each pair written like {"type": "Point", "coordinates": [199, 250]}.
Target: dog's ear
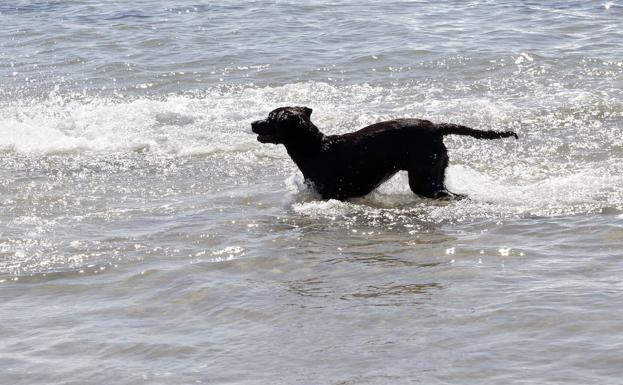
{"type": "Point", "coordinates": [307, 111]}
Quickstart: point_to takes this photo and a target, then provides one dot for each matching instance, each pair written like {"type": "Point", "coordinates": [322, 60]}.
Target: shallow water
{"type": "Point", "coordinates": [145, 235]}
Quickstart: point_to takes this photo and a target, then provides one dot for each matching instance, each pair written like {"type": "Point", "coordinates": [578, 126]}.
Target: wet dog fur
{"type": "Point", "coordinates": [354, 164]}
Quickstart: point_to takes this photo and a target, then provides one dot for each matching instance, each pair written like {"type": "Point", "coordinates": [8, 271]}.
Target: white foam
{"type": "Point", "coordinates": [176, 125]}
{"type": "Point", "coordinates": [565, 160]}
{"type": "Point", "coordinates": [393, 202]}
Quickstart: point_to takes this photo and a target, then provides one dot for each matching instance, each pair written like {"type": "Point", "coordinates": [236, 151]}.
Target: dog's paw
{"type": "Point", "coordinates": [447, 195]}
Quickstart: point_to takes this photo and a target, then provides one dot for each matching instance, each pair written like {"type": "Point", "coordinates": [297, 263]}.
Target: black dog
{"type": "Point", "coordinates": [354, 164]}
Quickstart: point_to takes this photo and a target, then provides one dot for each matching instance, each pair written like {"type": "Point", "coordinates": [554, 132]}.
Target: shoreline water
{"type": "Point", "coordinates": [145, 234]}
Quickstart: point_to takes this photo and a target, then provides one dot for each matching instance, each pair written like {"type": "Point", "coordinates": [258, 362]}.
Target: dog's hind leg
{"type": "Point", "coordinates": [427, 178]}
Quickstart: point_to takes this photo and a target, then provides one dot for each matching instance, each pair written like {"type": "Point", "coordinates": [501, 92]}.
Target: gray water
{"type": "Point", "coordinates": [147, 237]}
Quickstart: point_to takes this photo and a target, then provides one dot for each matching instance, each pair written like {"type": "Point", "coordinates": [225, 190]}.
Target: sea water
{"type": "Point", "coordinates": [147, 237]}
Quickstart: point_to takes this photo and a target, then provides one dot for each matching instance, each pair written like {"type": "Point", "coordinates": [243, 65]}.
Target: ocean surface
{"type": "Point", "coordinates": [146, 237]}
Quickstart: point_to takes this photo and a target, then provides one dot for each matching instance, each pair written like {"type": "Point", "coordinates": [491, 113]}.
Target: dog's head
{"type": "Point", "coordinates": [283, 125]}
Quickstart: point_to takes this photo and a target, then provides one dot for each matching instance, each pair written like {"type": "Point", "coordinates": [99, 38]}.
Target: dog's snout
{"type": "Point", "coordinates": [258, 125]}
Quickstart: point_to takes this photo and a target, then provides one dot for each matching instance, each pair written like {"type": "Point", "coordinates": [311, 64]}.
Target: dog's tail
{"type": "Point", "coordinates": [456, 129]}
